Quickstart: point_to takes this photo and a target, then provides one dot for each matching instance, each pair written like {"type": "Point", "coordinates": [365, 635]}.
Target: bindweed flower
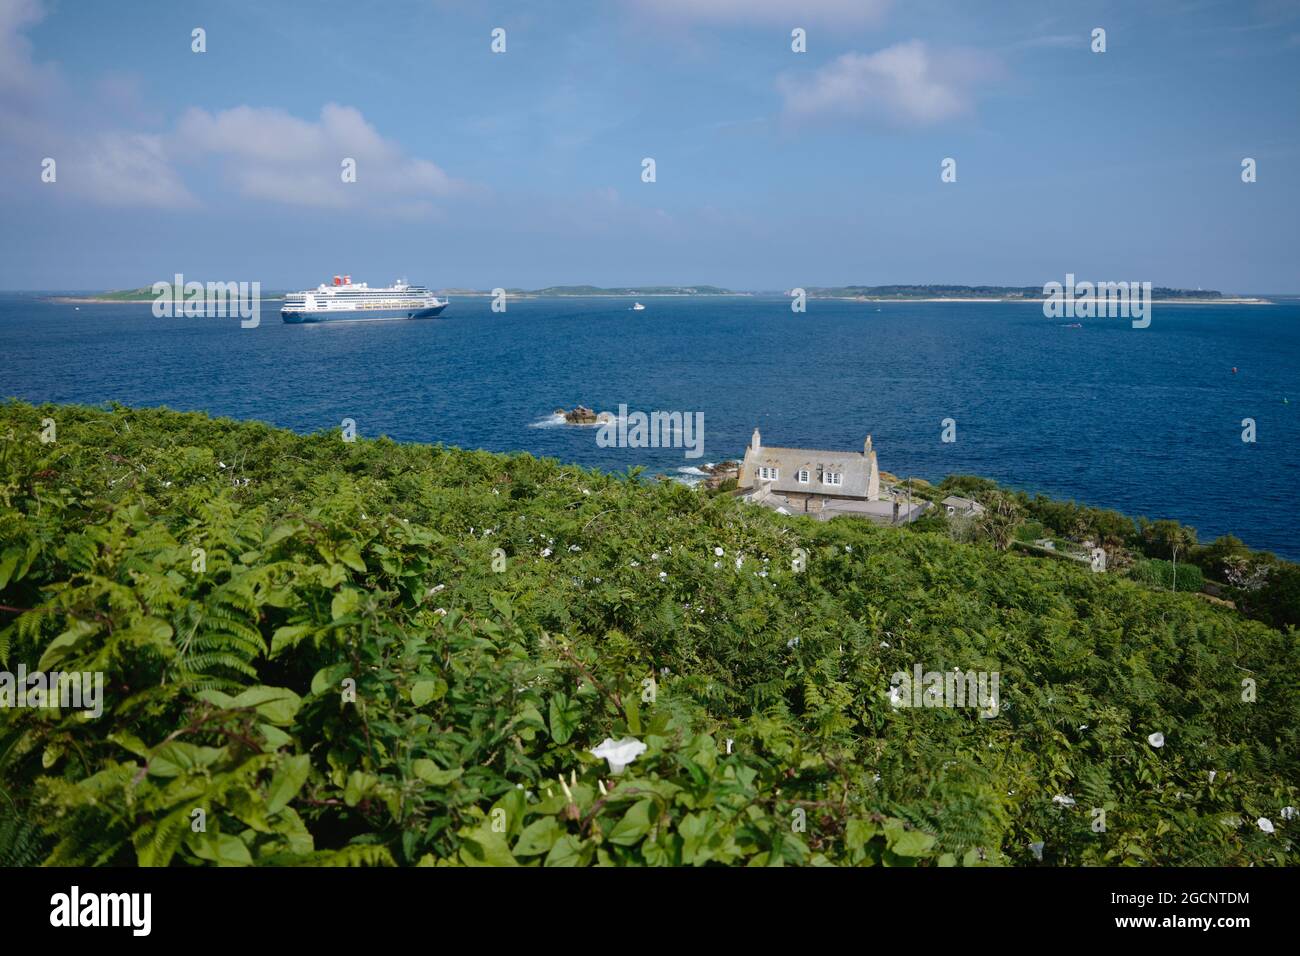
{"type": "Point", "coordinates": [1265, 824]}
{"type": "Point", "coordinates": [663, 575]}
{"type": "Point", "coordinates": [1063, 801]}
{"type": "Point", "coordinates": [1156, 740]}
{"type": "Point", "coordinates": [1288, 813]}
{"type": "Point", "coordinates": [619, 753]}
{"type": "Point", "coordinates": [546, 552]}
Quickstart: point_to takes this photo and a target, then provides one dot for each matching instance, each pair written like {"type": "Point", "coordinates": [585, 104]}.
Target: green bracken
{"type": "Point", "coordinates": [358, 653]}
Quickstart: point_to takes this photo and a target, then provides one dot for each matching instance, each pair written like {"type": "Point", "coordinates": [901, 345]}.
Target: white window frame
{"type": "Point", "coordinates": [833, 479]}
{"type": "Point", "coordinates": [803, 476]}
{"type": "Point", "coordinates": [768, 474]}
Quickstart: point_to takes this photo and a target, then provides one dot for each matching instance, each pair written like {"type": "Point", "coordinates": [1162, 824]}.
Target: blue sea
{"type": "Point", "coordinates": [1146, 421]}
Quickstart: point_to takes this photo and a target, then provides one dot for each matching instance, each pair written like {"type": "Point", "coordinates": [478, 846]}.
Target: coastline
{"type": "Point", "coordinates": [1245, 300]}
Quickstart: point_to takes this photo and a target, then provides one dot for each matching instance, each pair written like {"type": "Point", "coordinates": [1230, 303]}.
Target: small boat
{"type": "Point", "coordinates": [638, 307]}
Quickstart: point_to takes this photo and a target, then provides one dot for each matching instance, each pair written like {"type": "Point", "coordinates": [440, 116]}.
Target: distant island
{"type": "Point", "coordinates": [146, 293]}
{"type": "Point", "coordinates": [862, 293]}
{"type": "Point", "coordinates": [559, 291]}
{"type": "Point", "coordinates": [995, 293]}
{"type": "Point", "coordinates": [142, 294]}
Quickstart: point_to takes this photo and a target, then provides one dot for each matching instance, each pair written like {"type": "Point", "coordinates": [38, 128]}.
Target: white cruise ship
{"type": "Point", "coordinates": [348, 300]}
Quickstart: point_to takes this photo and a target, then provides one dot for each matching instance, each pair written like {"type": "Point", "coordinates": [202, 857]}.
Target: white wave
{"type": "Point", "coordinates": [550, 421]}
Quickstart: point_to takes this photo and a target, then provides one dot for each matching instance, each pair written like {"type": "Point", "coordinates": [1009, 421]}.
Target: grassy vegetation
{"type": "Point", "coordinates": [372, 653]}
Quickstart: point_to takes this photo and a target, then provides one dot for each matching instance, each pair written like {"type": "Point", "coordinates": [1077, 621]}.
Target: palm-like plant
{"type": "Point", "coordinates": [1000, 519]}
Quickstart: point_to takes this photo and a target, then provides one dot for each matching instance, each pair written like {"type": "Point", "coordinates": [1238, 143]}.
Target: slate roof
{"type": "Point", "coordinates": [853, 466]}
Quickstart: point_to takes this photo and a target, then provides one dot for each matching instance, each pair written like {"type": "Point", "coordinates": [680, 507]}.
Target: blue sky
{"type": "Point", "coordinates": [774, 168]}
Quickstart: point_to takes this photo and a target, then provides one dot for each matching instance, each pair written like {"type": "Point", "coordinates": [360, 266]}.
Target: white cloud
{"type": "Point", "coordinates": [271, 155]}
{"type": "Point", "coordinates": [265, 154]}
{"type": "Point", "coordinates": [18, 72]}
{"type": "Point", "coordinates": [125, 169]}
{"type": "Point", "coordinates": [907, 84]}
{"type": "Point", "coordinates": [792, 12]}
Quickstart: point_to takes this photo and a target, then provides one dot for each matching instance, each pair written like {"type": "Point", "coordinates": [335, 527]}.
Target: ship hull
{"type": "Point", "coordinates": [305, 317]}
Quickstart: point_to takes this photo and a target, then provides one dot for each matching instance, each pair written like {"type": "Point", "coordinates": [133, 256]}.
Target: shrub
{"type": "Point", "coordinates": [371, 653]}
{"type": "Point", "coordinates": [1161, 574]}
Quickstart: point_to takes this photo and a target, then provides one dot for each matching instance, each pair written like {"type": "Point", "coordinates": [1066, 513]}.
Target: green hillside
{"type": "Point", "coordinates": [313, 651]}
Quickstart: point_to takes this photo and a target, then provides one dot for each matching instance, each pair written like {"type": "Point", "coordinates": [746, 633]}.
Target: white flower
{"type": "Point", "coordinates": [655, 556]}
{"type": "Point", "coordinates": [896, 696]}
{"type": "Point", "coordinates": [585, 491]}
{"type": "Point", "coordinates": [663, 575]}
{"type": "Point", "coordinates": [546, 552]}
{"type": "Point", "coordinates": [635, 564]}
{"type": "Point", "coordinates": [718, 551]}
{"type": "Point", "coordinates": [793, 642]}
{"type": "Point", "coordinates": [221, 464]}
{"type": "Point", "coordinates": [884, 643]}
{"type": "Point", "coordinates": [1265, 824]}
{"type": "Point", "coordinates": [762, 574]}
{"type": "Point", "coordinates": [1083, 726]}
{"type": "Point", "coordinates": [1213, 774]}
{"type": "Point", "coordinates": [1063, 801]}
{"type": "Point", "coordinates": [848, 548]}
{"type": "Point", "coordinates": [717, 564]}
{"type": "Point", "coordinates": [574, 547]}
{"type": "Point", "coordinates": [1157, 739]}
{"type": "Point", "coordinates": [1288, 813]}
{"type": "Point", "coordinates": [739, 562]}
{"type": "Point", "coordinates": [619, 753]}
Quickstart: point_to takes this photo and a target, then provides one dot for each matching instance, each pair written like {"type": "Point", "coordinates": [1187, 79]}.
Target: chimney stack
{"type": "Point", "coordinates": [755, 442]}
